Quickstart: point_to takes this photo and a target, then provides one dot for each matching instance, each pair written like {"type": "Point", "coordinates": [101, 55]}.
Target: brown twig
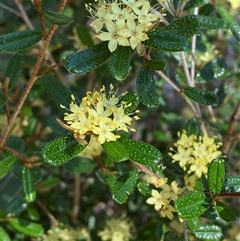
{"type": "Point", "coordinates": [185, 233]}
{"type": "Point", "coordinates": [228, 140]}
{"type": "Point", "coordinates": [38, 4]}
{"type": "Point", "coordinates": [53, 220]}
{"type": "Point", "coordinates": [76, 197]}
{"type": "Point", "coordinates": [49, 69]}
{"type": "Point", "coordinates": [15, 153]}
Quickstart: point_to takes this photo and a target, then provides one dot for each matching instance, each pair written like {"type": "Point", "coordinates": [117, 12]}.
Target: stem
{"type": "Point", "coordinates": [76, 197]}
{"type": "Point", "coordinates": [10, 9]}
{"type": "Point", "coordinates": [227, 142]}
{"type": "Point", "coordinates": [32, 79]}
{"type": "Point", "coordinates": [38, 5]}
{"type": "Point", "coordinates": [15, 153]}
{"type": "Point", "coordinates": [53, 220]}
{"type": "Point", "coordinates": [185, 230]}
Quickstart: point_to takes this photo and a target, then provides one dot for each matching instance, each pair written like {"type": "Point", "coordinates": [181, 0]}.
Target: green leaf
{"type": "Point", "coordinates": [194, 3]}
{"type": "Point", "coordinates": [211, 70]}
{"type": "Point", "coordinates": [193, 127]}
{"type": "Point", "coordinates": [16, 206]}
{"type": "Point", "coordinates": [216, 175]}
{"type": "Point", "coordinates": [17, 41]}
{"type": "Point", "coordinates": [119, 62]}
{"type": "Point", "coordinates": [79, 165]}
{"type": "Point", "coordinates": [132, 99]}
{"type": "Point", "coordinates": [225, 14]}
{"type": "Point", "coordinates": [157, 61]}
{"type": "Point", "coordinates": [191, 205]}
{"type": "Point", "coordinates": [144, 188]}
{"type": "Point", "coordinates": [14, 69]}
{"type": "Point", "coordinates": [166, 41]}
{"type": "Point", "coordinates": [59, 93]}
{"type": "Point", "coordinates": [4, 235]}
{"type": "Point", "coordinates": [211, 213]}
{"type": "Point", "coordinates": [225, 212]}
{"type": "Point", "coordinates": [61, 150]}
{"type": "Point", "coordinates": [212, 23]}
{"type": "Point", "coordinates": [6, 165]}
{"type": "Point", "coordinates": [208, 232]}
{"type": "Point", "coordinates": [231, 184]}
{"type": "Point", "coordinates": [88, 59]}
{"type": "Point", "coordinates": [29, 191]}
{"type": "Point", "coordinates": [194, 223]}
{"type": "Point", "coordinates": [116, 151]}
{"type": "Point", "coordinates": [186, 26]}
{"type": "Point", "coordinates": [141, 152]}
{"type": "Point", "coordinates": [57, 18]}
{"type": "Point", "coordinates": [26, 227]}
{"type": "Point", "coordinates": [235, 28]}
{"type": "Point", "coordinates": [201, 96]}
{"type": "Point", "coordinates": [84, 35]}
{"type": "Point", "coordinates": [124, 186]}
{"type": "Point", "coordinates": [170, 236]}
{"type": "Point", "coordinates": [146, 87]}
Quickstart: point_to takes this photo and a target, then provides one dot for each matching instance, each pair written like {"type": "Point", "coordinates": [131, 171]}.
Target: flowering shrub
{"type": "Point", "coordinates": [119, 120]}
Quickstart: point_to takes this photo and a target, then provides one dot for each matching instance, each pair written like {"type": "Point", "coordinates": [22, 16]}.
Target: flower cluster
{"type": "Point", "coordinates": [195, 153]}
{"type": "Point", "coordinates": [65, 233]}
{"type": "Point", "coordinates": [162, 200]}
{"type": "Point", "coordinates": [122, 22]}
{"type": "Point", "coordinates": [117, 229]}
{"type": "Point", "coordinates": [101, 114]}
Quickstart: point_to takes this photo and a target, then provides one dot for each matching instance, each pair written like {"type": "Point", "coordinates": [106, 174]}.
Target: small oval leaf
{"type": "Point", "coordinates": [4, 235]}
{"type": "Point", "coordinates": [225, 212]}
{"type": "Point", "coordinates": [26, 227]}
{"type": "Point", "coordinates": [166, 41]}
{"type": "Point", "coordinates": [119, 62]}
{"type": "Point", "coordinates": [61, 150]}
{"type": "Point", "coordinates": [133, 101]}
{"type": "Point", "coordinates": [6, 165]}
{"type": "Point", "coordinates": [123, 186]}
{"type": "Point", "coordinates": [116, 151]}
{"type": "Point", "coordinates": [157, 61]}
{"type": "Point", "coordinates": [57, 18]}
{"type": "Point", "coordinates": [216, 175]}
{"type": "Point", "coordinates": [29, 191]}
{"type": "Point", "coordinates": [193, 127]}
{"type": "Point", "coordinates": [235, 28]}
{"type": "Point", "coordinates": [141, 152]}
{"type": "Point", "coordinates": [14, 69]}
{"type": "Point", "coordinates": [146, 87]}
{"type": "Point", "coordinates": [191, 205]}
{"type": "Point", "coordinates": [59, 93]}
{"type": "Point", "coordinates": [16, 41]}
{"type": "Point", "coordinates": [231, 184]}
{"type": "Point", "coordinates": [186, 26]}
{"type": "Point", "coordinates": [88, 59]}
{"type": "Point", "coordinates": [144, 188]}
{"type": "Point", "coordinates": [201, 96]}
{"type": "Point", "coordinates": [208, 232]}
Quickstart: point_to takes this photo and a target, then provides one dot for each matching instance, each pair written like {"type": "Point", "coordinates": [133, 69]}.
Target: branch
{"type": "Point", "coordinates": [32, 79]}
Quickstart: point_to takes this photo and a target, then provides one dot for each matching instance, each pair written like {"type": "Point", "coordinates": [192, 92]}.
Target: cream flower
{"type": "Point", "coordinates": [167, 211]}
{"type": "Point", "coordinates": [157, 200]}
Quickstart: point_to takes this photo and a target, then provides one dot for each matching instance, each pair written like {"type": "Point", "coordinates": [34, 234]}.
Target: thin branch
{"type": "Point", "coordinates": [194, 41]}
{"type": "Point", "coordinates": [15, 153]}
{"type": "Point", "coordinates": [186, 70]}
{"type": "Point", "coordinates": [53, 220]}
{"type": "Point", "coordinates": [10, 9]}
{"type": "Point", "coordinates": [185, 230]}
{"type": "Point", "coordinates": [38, 5]}
{"type": "Point", "coordinates": [23, 14]}
{"type": "Point", "coordinates": [227, 142]}
{"type": "Point", "coordinates": [76, 197]}
{"type": "Point", "coordinates": [32, 79]}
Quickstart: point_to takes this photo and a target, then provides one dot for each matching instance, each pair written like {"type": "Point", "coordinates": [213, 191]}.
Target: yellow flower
{"type": "Point", "coordinates": [101, 114]}
{"type": "Point", "coordinates": [171, 192]}
{"type": "Point", "coordinates": [190, 182]}
{"type": "Point", "coordinates": [157, 200]}
{"type": "Point", "coordinates": [158, 182]}
{"type": "Point", "coordinates": [116, 229]}
{"type": "Point", "coordinates": [167, 211]}
{"type": "Point", "coordinates": [113, 36]}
